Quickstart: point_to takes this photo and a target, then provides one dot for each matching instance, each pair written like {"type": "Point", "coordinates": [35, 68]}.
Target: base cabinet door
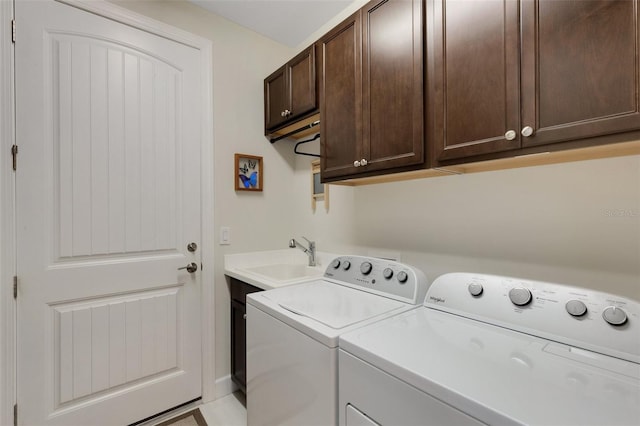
{"type": "Point", "coordinates": [239, 291]}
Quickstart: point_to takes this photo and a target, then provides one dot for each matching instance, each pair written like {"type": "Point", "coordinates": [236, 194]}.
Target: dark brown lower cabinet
{"type": "Point", "coordinates": [239, 291]}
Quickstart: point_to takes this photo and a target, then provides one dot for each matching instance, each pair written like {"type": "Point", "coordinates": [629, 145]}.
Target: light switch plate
{"type": "Point", "coordinates": [225, 235]}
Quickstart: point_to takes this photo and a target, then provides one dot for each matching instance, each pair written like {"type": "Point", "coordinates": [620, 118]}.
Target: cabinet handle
{"type": "Point", "coordinates": [282, 114]}
{"type": "Point", "coordinates": [287, 112]}
{"type": "Point", "coordinates": [356, 163]}
{"type": "Point", "coordinates": [527, 131]}
{"type": "Point", "coordinates": [363, 162]}
{"type": "Point", "coordinates": [510, 135]}
{"type": "Point", "coordinates": [244, 316]}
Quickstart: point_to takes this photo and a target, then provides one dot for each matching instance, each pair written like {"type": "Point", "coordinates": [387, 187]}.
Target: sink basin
{"type": "Point", "coordinates": [286, 271]}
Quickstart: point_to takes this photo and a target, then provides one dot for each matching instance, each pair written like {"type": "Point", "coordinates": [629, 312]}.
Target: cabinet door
{"type": "Point", "coordinates": [276, 98]}
{"type": "Point", "coordinates": [392, 93]}
{"type": "Point", "coordinates": [580, 69]}
{"type": "Point", "coordinates": [476, 70]}
{"type": "Point", "coordinates": [341, 98]}
{"type": "Point", "coordinates": [301, 74]}
{"type": "Point", "coordinates": [239, 345]}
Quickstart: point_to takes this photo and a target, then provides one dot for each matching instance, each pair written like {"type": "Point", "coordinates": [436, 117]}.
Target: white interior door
{"type": "Point", "coordinates": [108, 197]}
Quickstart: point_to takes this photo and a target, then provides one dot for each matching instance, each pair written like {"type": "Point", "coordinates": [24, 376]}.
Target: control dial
{"type": "Point", "coordinates": [387, 273]}
{"type": "Point", "coordinates": [520, 296]}
{"type": "Point", "coordinates": [346, 265]}
{"type": "Point", "coordinates": [336, 264]}
{"type": "Point", "coordinates": [576, 308]}
{"type": "Point", "coordinates": [365, 268]}
{"type": "Point", "coordinates": [614, 315]}
{"type": "Point", "coordinates": [402, 277]}
{"type": "Point", "coordinates": [475, 289]}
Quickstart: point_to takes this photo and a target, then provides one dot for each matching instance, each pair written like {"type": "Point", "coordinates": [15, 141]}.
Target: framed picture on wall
{"type": "Point", "coordinates": [248, 172]}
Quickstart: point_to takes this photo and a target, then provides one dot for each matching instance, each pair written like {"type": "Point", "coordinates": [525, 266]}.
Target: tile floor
{"type": "Point", "coordinates": [226, 411]}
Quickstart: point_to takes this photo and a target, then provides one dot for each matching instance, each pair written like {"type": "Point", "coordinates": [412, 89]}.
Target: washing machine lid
{"type": "Point", "coordinates": [324, 309]}
{"type": "Point", "coordinates": [500, 376]}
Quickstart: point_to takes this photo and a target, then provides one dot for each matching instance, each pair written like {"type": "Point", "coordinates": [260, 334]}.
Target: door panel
{"type": "Point", "coordinates": [477, 81]}
{"type": "Point", "coordinates": [276, 98]}
{"type": "Point", "coordinates": [108, 196]}
{"type": "Point", "coordinates": [580, 71]}
{"type": "Point", "coordinates": [302, 82]}
{"type": "Point", "coordinates": [341, 98]}
{"type": "Point", "coordinates": [392, 76]}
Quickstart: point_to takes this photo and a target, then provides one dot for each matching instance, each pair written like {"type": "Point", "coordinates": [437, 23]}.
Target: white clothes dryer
{"type": "Point", "coordinates": [495, 350]}
{"type": "Point", "coordinates": [292, 336]}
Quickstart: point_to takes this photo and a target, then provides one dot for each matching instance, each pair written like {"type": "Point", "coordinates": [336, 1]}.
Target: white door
{"type": "Point", "coordinates": [108, 198]}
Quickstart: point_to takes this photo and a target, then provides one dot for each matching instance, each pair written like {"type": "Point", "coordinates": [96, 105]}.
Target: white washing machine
{"type": "Point", "coordinates": [292, 336]}
{"type": "Point", "coordinates": [499, 351]}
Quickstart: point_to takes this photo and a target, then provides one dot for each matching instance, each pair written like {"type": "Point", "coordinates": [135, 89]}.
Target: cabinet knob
{"type": "Point", "coordinates": [527, 131]}
{"type": "Point", "coordinates": [510, 135]}
{"type": "Point", "coordinates": [282, 114]}
{"type": "Point", "coordinates": [363, 162]}
{"type": "Point", "coordinates": [356, 163]}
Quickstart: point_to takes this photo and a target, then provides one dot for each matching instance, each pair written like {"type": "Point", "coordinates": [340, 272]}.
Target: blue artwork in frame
{"type": "Point", "coordinates": [248, 172]}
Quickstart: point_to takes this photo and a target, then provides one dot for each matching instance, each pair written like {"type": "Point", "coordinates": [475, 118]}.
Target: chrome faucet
{"type": "Point", "coordinates": [311, 251]}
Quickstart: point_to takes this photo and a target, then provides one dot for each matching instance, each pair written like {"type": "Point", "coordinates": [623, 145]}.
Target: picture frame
{"type": "Point", "coordinates": [248, 172]}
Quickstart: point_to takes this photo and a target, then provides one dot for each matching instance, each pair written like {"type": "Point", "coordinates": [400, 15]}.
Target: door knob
{"type": "Point", "coordinates": [527, 131]}
{"type": "Point", "coordinates": [192, 247]}
{"type": "Point", "coordinates": [191, 268]}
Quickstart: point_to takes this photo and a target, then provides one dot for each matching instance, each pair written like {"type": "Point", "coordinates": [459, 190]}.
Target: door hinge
{"type": "Point", "coordinates": [14, 153]}
{"type": "Point", "coordinates": [15, 286]}
{"type": "Point", "coordinates": [15, 415]}
{"type": "Point", "coordinates": [13, 30]}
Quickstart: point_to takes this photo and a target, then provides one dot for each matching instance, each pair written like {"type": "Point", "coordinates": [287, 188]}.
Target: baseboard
{"type": "Point", "coordinates": [225, 386]}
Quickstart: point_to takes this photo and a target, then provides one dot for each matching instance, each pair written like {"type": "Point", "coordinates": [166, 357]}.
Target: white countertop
{"type": "Point", "coordinates": [255, 268]}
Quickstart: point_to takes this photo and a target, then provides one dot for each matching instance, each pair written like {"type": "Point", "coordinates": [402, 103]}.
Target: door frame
{"type": "Point", "coordinates": [8, 335]}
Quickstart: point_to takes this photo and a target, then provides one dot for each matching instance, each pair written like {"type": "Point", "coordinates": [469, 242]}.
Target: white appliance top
{"type": "Point", "coordinates": [355, 291]}
{"type": "Point", "coordinates": [546, 372]}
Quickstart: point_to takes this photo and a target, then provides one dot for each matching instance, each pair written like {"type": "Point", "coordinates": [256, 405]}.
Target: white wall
{"type": "Point", "coordinates": [577, 223]}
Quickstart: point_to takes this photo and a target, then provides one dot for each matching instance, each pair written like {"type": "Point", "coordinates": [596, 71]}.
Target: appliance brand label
{"type": "Point", "coordinates": [436, 299]}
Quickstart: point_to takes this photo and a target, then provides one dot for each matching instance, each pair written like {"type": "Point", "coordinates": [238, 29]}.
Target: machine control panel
{"type": "Point", "coordinates": [575, 316]}
{"type": "Point", "coordinates": [381, 276]}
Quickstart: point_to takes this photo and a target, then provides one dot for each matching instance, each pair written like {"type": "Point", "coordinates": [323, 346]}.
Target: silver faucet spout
{"type": "Point", "coordinates": [310, 252]}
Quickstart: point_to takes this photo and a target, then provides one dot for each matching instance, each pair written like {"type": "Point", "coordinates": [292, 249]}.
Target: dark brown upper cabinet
{"type": "Point", "coordinates": [290, 93]}
{"type": "Point", "coordinates": [513, 75]}
{"type": "Point", "coordinates": [371, 91]}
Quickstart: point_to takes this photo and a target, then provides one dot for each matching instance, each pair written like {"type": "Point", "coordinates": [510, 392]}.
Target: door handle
{"type": "Point", "coordinates": [191, 268]}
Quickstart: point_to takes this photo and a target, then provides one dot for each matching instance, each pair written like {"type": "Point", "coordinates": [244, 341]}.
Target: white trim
{"type": "Point", "coordinates": [7, 234]}
{"type": "Point", "coordinates": [7, 221]}
{"type": "Point", "coordinates": [225, 386]}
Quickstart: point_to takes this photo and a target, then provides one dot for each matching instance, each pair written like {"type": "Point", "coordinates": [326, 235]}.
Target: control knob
{"type": "Point", "coordinates": [346, 265]}
{"type": "Point", "coordinates": [336, 264]}
{"type": "Point", "coordinates": [520, 296]}
{"type": "Point", "coordinates": [365, 268]}
{"type": "Point", "coordinates": [614, 315]}
{"type": "Point", "coordinates": [475, 289]}
{"type": "Point", "coordinates": [576, 308]}
{"type": "Point", "coordinates": [387, 273]}
{"type": "Point", "coordinates": [402, 277]}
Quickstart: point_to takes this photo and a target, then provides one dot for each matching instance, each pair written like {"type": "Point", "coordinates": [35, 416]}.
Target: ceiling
{"type": "Point", "coordinates": [289, 22]}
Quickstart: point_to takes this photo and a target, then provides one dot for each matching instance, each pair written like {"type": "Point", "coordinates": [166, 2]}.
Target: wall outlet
{"type": "Point", "coordinates": [225, 235]}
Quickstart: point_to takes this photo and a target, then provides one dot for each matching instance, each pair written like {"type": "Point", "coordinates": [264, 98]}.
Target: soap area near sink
{"type": "Point", "coordinates": [275, 268]}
